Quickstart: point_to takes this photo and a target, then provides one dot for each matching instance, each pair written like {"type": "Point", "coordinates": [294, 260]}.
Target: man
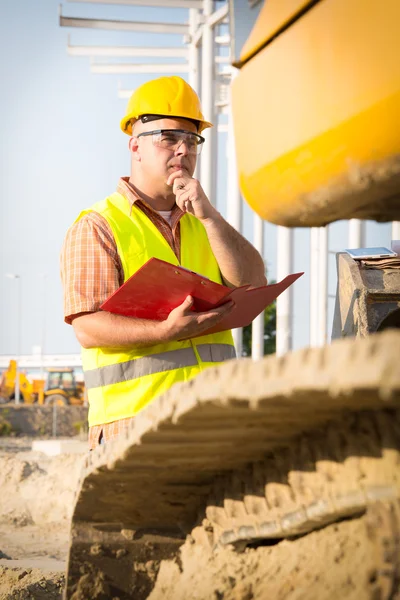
{"type": "Point", "coordinates": [159, 211]}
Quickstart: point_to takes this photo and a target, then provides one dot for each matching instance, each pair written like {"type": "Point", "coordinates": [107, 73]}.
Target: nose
{"type": "Point", "coordinates": [182, 148]}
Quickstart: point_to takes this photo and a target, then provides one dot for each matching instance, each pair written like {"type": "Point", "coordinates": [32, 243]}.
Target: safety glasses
{"type": "Point", "coordinates": [171, 139]}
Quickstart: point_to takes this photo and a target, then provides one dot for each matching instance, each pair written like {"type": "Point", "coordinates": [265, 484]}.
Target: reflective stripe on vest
{"type": "Point", "coordinates": [157, 363]}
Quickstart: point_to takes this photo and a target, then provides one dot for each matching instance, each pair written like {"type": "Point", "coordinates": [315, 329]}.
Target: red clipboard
{"type": "Point", "coordinates": [158, 287]}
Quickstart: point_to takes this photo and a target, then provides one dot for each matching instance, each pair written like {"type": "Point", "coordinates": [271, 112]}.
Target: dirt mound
{"type": "Point", "coordinates": [21, 584]}
{"type": "Point", "coordinates": [338, 558]}
{"type": "Point", "coordinates": [37, 489]}
{"type": "Point", "coordinates": [36, 503]}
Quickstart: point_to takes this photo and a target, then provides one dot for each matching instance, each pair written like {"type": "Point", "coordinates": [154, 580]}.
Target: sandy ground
{"type": "Point", "coordinates": [336, 562]}
{"type": "Point", "coordinates": [36, 501]}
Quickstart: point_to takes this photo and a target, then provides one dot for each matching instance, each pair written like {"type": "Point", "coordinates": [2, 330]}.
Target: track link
{"type": "Point", "coordinates": [323, 477]}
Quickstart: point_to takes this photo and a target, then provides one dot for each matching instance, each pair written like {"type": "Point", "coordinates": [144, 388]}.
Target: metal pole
{"type": "Point", "coordinates": [43, 332]}
{"type": "Point", "coordinates": [323, 285]}
{"type": "Point", "coordinates": [396, 230]}
{"type": "Point", "coordinates": [54, 428]}
{"type": "Point", "coordinates": [19, 329]}
{"type": "Point", "coordinates": [207, 97]}
{"type": "Point", "coordinates": [17, 391]}
{"type": "Point", "coordinates": [234, 207]}
{"type": "Point", "coordinates": [257, 328]}
{"type": "Point", "coordinates": [356, 233]}
{"type": "Point", "coordinates": [285, 300]}
{"type": "Point", "coordinates": [160, 3]}
{"type": "Point", "coordinates": [194, 54]}
{"type": "Point", "coordinates": [314, 285]}
{"type": "Point", "coordinates": [194, 63]}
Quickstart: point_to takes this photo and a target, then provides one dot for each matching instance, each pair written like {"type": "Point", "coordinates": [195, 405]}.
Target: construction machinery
{"type": "Point", "coordinates": [255, 454]}
{"type": "Point", "coordinates": [60, 387]}
{"type": "Point", "coordinates": [30, 391]}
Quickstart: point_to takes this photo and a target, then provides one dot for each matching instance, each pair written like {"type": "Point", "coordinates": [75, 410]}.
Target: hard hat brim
{"type": "Point", "coordinates": [126, 122]}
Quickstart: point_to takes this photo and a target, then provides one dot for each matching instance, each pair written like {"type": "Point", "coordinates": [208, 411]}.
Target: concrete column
{"type": "Point", "coordinates": [194, 53]}
{"type": "Point", "coordinates": [234, 207]}
{"type": "Point", "coordinates": [284, 301]}
{"type": "Point", "coordinates": [323, 285]}
{"type": "Point", "coordinates": [356, 233]}
{"type": "Point", "coordinates": [207, 165]}
{"type": "Point", "coordinates": [396, 230]}
{"type": "Point", "coordinates": [257, 328]}
{"type": "Point", "coordinates": [314, 285]}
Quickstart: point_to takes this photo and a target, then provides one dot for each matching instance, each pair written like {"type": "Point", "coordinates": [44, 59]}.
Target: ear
{"type": "Point", "coordinates": [134, 148]}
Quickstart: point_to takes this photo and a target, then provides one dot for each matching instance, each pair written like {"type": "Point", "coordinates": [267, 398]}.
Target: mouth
{"type": "Point", "coordinates": [178, 168]}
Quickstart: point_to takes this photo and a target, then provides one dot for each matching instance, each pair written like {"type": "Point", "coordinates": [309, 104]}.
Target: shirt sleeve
{"type": "Point", "coordinates": [90, 266]}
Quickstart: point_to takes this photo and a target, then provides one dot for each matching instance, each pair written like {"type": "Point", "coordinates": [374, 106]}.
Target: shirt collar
{"type": "Point", "coordinates": [125, 188]}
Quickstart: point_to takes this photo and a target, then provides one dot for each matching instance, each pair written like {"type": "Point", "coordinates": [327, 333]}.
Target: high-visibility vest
{"type": "Point", "coordinates": [120, 383]}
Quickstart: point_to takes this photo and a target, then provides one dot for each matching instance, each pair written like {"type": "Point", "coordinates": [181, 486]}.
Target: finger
{"type": "Point", "coordinates": [227, 307]}
{"type": "Point", "coordinates": [184, 196]}
{"type": "Point", "coordinates": [180, 184]}
{"type": "Point", "coordinates": [207, 321]}
{"type": "Point", "coordinates": [187, 304]}
{"type": "Point", "coordinates": [189, 208]}
{"type": "Point", "coordinates": [181, 203]}
{"type": "Point", "coordinates": [184, 200]}
{"type": "Point", "coordinates": [175, 175]}
{"type": "Point", "coordinates": [221, 311]}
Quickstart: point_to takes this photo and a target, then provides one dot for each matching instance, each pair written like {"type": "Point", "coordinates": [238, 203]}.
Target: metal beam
{"type": "Point", "coordinates": [226, 71]}
{"type": "Point", "coordinates": [127, 51]}
{"type": "Point", "coordinates": [196, 38]}
{"type": "Point", "coordinates": [139, 68]}
{"type": "Point", "coordinates": [218, 16]}
{"type": "Point", "coordinates": [222, 60]}
{"type": "Point", "coordinates": [179, 28]}
{"type": "Point", "coordinates": [124, 94]}
{"type": "Point", "coordinates": [223, 40]}
{"type": "Point", "coordinates": [162, 3]}
{"type": "Point", "coordinates": [48, 360]}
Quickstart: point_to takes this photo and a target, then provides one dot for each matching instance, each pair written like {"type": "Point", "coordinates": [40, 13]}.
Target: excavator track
{"type": "Point", "coordinates": [323, 477]}
{"type": "Point", "coordinates": [327, 418]}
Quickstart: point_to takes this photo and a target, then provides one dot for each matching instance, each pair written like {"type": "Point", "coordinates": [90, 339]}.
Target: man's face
{"type": "Point", "coordinates": [159, 162]}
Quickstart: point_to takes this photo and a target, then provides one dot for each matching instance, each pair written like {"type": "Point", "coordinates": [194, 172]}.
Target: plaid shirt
{"type": "Point", "coordinates": [91, 271]}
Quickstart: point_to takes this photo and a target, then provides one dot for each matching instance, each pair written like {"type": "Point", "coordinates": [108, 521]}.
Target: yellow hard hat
{"type": "Point", "coordinates": [167, 97]}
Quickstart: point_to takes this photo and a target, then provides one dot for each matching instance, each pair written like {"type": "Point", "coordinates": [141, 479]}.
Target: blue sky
{"type": "Point", "coordinates": [62, 150]}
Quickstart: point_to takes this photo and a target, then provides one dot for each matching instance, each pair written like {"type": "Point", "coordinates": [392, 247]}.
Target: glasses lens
{"type": "Point", "coordinates": [171, 140]}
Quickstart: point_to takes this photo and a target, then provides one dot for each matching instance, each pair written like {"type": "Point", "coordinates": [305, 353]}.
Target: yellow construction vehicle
{"type": "Point", "coordinates": [62, 388]}
{"type": "Point", "coordinates": [316, 107]}
{"type": "Point", "coordinates": [59, 388]}
{"type": "Point", "coordinates": [27, 393]}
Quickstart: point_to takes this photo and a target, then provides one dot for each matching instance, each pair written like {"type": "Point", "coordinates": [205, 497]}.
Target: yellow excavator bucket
{"type": "Point", "coordinates": [316, 110]}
